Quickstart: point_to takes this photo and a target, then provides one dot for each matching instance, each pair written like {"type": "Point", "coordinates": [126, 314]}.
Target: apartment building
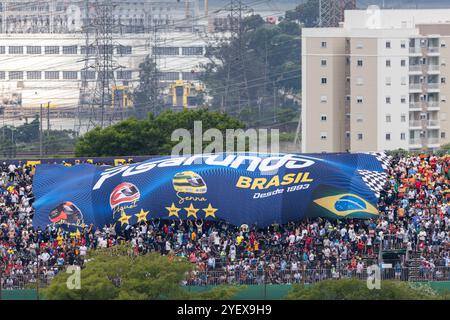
{"type": "Point", "coordinates": [378, 82]}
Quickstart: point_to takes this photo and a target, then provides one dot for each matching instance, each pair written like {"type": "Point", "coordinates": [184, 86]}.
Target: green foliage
{"type": "Point", "coordinates": [150, 136]}
{"type": "Point", "coordinates": [26, 138]}
{"type": "Point", "coordinates": [306, 13]}
{"type": "Point", "coordinates": [146, 97]}
{"type": "Point", "coordinates": [270, 66]}
{"type": "Point", "coordinates": [116, 273]}
{"type": "Point", "coordinates": [398, 152]}
{"type": "Point", "coordinates": [354, 289]}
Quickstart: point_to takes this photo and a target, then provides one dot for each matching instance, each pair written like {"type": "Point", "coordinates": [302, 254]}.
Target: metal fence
{"type": "Point", "coordinates": [254, 277]}
{"type": "Point", "coordinates": [311, 276]}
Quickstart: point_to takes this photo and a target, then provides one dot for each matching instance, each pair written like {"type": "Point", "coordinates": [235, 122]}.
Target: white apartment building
{"type": "Point", "coordinates": [378, 82]}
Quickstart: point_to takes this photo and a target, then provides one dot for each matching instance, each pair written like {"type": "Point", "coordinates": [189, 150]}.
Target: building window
{"type": "Point", "coordinates": [403, 118]}
{"type": "Point", "coordinates": [51, 49]}
{"type": "Point", "coordinates": [403, 63]}
{"type": "Point", "coordinates": [52, 75]}
{"type": "Point", "coordinates": [15, 75]}
{"type": "Point", "coordinates": [359, 99]}
{"type": "Point", "coordinates": [388, 100]}
{"type": "Point", "coordinates": [323, 80]}
{"type": "Point", "coordinates": [403, 99]}
{"type": "Point", "coordinates": [402, 136]}
{"type": "Point", "coordinates": [403, 44]}
{"type": "Point", "coordinates": [388, 44]}
{"type": "Point", "coordinates": [124, 74]}
{"type": "Point", "coordinates": [442, 135]}
{"type": "Point", "coordinates": [106, 49]}
{"type": "Point", "coordinates": [323, 136]}
{"type": "Point", "coordinates": [359, 45]}
{"type": "Point", "coordinates": [2, 75]}
{"type": "Point", "coordinates": [169, 76]}
{"type": "Point", "coordinates": [33, 50]}
{"type": "Point", "coordinates": [190, 75]}
{"type": "Point", "coordinates": [443, 98]}
{"type": "Point", "coordinates": [359, 81]}
{"type": "Point", "coordinates": [323, 63]}
{"type": "Point", "coordinates": [323, 99]}
{"type": "Point", "coordinates": [123, 50]}
{"type": "Point", "coordinates": [87, 75]}
{"type": "Point", "coordinates": [2, 50]}
{"type": "Point", "coordinates": [192, 51]}
{"type": "Point", "coordinates": [167, 51]}
{"type": "Point", "coordinates": [388, 81]}
{"type": "Point", "coordinates": [91, 50]}
{"type": "Point", "coordinates": [323, 44]}
{"type": "Point", "coordinates": [323, 117]}
{"type": "Point", "coordinates": [70, 49]}
{"type": "Point", "coordinates": [403, 81]}
{"type": "Point", "coordinates": [15, 50]}
{"type": "Point", "coordinates": [70, 75]}
{"type": "Point", "coordinates": [388, 63]}
{"type": "Point", "coordinates": [359, 117]}
{"type": "Point", "coordinates": [443, 79]}
{"type": "Point", "coordinates": [34, 75]}
{"type": "Point", "coordinates": [443, 44]}
{"type": "Point", "coordinates": [388, 136]}
{"type": "Point", "coordinates": [360, 136]}
{"type": "Point", "coordinates": [388, 118]}
{"type": "Point", "coordinates": [359, 63]}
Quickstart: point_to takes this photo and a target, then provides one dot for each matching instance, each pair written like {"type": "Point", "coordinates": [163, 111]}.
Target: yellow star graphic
{"type": "Point", "coordinates": [173, 211]}
{"type": "Point", "coordinates": [210, 211]}
{"type": "Point", "coordinates": [124, 219]}
{"type": "Point", "coordinates": [142, 215]}
{"type": "Point", "coordinates": [191, 211]}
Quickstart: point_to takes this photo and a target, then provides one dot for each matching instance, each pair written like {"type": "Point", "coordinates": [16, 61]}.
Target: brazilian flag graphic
{"type": "Point", "coordinates": [337, 204]}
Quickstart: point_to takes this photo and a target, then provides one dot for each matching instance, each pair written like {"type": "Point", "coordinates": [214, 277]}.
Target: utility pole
{"type": "Point", "coordinates": [237, 69]}
{"type": "Point", "coordinates": [40, 131]}
{"type": "Point", "coordinates": [48, 119]}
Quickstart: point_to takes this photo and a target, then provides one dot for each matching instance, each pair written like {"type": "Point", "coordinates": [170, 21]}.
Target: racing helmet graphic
{"type": "Point", "coordinates": [189, 182]}
{"type": "Point", "coordinates": [66, 212]}
{"type": "Point", "coordinates": [124, 193]}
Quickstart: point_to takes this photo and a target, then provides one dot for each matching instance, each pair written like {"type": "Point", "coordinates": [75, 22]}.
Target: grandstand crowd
{"type": "Point", "coordinates": [414, 216]}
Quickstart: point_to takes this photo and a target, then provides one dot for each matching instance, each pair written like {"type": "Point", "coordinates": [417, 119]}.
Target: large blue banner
{"type": "Point", "coordinates": [239, 188]}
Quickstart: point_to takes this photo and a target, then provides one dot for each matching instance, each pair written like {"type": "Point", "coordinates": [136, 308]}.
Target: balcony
{"type": "Point", "coordinates": [433, 123]}
{"type": "Point", "coordinates": [433, 86]}
{"type": "Point", "coordinates": [434, 140]}
{"type": "Point", "coordinates": [433, 68]}
{"type": "Point", "coordinates": [415, 105]}
{"type": "Point", "coordinates": [415, 123]}
{"type": "Point", "coordinates": [415, 87]}
{"type": "Point", "coordinates": [415, 50]}
{"type": "Point", "coordinates": [433, 50]}
{"type": "Point", "coordinates": [415, 141]}
{"type": "Point", "coordinates": [433, 105]}
{"type": "Point", "coordinates": [415, 68]}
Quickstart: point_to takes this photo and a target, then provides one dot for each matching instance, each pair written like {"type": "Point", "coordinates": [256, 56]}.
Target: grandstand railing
{"type": "Point", "coordinates": [254, 277]}
{"type": "Point", "coordinates": [312, 276]}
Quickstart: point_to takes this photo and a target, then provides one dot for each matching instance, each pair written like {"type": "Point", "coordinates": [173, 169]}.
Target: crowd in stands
{"type": "Point", "coordinates": [414, 217]}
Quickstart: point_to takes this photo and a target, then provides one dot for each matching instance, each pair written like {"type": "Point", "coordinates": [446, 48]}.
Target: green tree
{"type": "Point", "coordinates": [354, 289]}
{"type": "Point", "coordinates": [150, 136]}
{"type": "Point", "coordinates": [116, 273]}
{"type": "Point", "coordinates": [147, 96]}
{"type": "Point", "coordinates": [265, 84]}
{"type": "Point", "coordinates": [306, 13]}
